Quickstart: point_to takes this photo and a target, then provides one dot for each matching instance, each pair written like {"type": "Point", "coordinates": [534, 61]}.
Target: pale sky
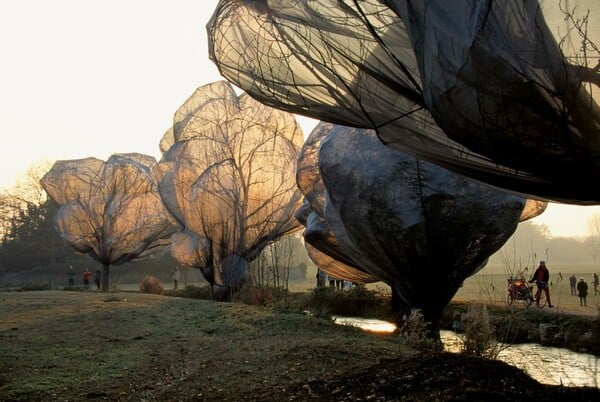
{"type": "Point", "coordinates": [82, 78]}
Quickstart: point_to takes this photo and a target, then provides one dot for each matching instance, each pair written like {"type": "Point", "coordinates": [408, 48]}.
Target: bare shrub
{"type": "Point", "coordinates": [415, 332]}
{"type": "Point", "coordinates": [151, 285]}
{"type": "Point", "coordinates": [256, 295]}
{"type": "Point", "coordinates": [478, 338]}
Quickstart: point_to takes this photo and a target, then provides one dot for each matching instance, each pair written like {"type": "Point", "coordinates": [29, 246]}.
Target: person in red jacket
{"type": "Point", "coordinates": [86, 278]}
{"type": "Point", "coordinates": [541, 277]}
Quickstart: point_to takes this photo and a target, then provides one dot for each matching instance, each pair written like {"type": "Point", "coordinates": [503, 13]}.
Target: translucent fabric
{"type": "Point", "coordinates": [321, 244]}
{"type": "Point", "coordinates": [389, 216]}
{"type": "Point", "coordinates": [501, 91]}
{"type": "Point", "coordinates": [109, 210]}
{"type": "Point", "coordinates": [324, 249]}
{"type": "Point", "coordinates": [227, 175]}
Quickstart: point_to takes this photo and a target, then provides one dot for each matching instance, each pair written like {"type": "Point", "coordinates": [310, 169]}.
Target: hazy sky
{"type": "Point", "coordinates": [83, 78]}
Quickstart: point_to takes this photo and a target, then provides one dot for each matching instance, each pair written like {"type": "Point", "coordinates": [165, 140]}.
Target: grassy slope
{"type": "Point", "coordinates": [121, 346]}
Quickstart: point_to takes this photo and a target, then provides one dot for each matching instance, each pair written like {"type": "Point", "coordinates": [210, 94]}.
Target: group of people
{"type": "Point", "coordinates": [580, 288]}
{"type": "Point", "coordinates": [86, 277]}
{"type": "Point", "coordinates": [541, 277]}
{"type": "Point", "coordinates": [323, 278]}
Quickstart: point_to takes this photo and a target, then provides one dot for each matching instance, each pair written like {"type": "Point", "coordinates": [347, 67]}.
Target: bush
{"type": "Point", "coordinates": [151, 285]}
{"type": "Point", "coordinates": [73, 289]}
{"type": "Point", "coordinates": [197, 292]}
{"type": "Point", "coordinates": [256, 295]}
{"type": "Point", "coordinates": [29, 287]}
{"type": "Point", "coordinates": [358, 301]}
{"type": "Point", "coordinates": [478, 338]}
{"type": "Point", "coordinates": [415, 332]}
{"type": "Point", "coordinates": [206, 292]}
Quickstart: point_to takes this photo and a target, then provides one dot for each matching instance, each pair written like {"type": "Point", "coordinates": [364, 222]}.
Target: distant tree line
{"type": "Point", "coordinates": [28, 238]}
{"type": "Point", "coordinates": [531, 243]}
{"type": "Point", "coordinates": [27, 235]}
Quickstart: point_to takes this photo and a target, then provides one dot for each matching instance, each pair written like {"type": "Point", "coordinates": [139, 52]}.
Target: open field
{"type": "Point", "coordinates": [492, 288]}
{"type": "Point", "coordinates": [122, 346]}
{"type": "Point", "coordinates": [127, 346]}
{"type": "Point", "coordinates": [119, 346]}
{"type": "Point", "coordinates": [483, 287]}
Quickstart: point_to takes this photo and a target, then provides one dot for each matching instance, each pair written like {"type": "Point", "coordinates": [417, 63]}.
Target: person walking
{"type": "Point", "coordinates": [98, 278]}
{"type": "Point", "coordinates": [582, 291]}
{"type": "Point", "coordinates": [573, 284]}
{"type": "Point", "coordinates": [595, 283]}
{"type": "Point", "coordinates": [71, 276]}
{"type": "Point", "coordinates": [87, 275]}
{"type": "Point", "coordinates": [541, 277]}
{"type": "Point", "coordinates": [175, 276]}
{"type": "Point", "coordinates": [321, 278]}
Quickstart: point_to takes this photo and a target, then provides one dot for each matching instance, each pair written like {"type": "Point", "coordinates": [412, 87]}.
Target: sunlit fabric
{"type": "Point", "coordinates": [228, 176]}
{"type": "Point", "coordinates": [109, 210]}
{"type": "Point", "coordinates": [412, 224]}
{"type": "Point", "coordinates": [501, 91]}
{"type": "Point", "coordinates": [532, 209]}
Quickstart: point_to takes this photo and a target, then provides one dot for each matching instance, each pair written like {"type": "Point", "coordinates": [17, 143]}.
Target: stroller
{"type": "Point", "coordinates": [519, 289]}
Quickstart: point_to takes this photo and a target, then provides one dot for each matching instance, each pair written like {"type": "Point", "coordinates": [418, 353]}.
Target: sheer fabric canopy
{"type": "Point", "coordinates": [227, 175]}
{"type": "Point", "coordinates": [109, 210]}
{"type": "Point", "coordinates": [374, 213]}
{"type": "Point", "coordinates": [504, 92]}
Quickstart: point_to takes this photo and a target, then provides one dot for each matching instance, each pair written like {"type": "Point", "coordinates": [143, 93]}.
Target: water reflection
{"type": "Point", "coordinates": [367, 324]}
{"type": "Point", "coordinates": [547, 365]}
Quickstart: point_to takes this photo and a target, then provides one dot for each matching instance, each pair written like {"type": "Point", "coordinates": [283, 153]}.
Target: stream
{"type": "Point", "coordinates": [548, 365]}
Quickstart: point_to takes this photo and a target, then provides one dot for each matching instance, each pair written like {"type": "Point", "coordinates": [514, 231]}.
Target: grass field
{"type": "Point", "coordinates": [125, 345]}
{"type": "Point", "coordinates": [57, 345]}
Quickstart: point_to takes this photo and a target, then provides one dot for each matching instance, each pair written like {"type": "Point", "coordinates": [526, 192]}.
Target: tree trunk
{"type": "Point", "coordinates": [401, 309]}
{"type": "Point", "coordinates": [433, 330]}
{"type": "Point", "coordinates": [105, 274]}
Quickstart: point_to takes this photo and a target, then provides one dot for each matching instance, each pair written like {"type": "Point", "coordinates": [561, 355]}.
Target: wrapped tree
{"type": "Point", "coordinates": [109, 210]}
{"type": "Point", "coordinates": [227, 175]}
{"type": "Point", "coordinates": [502, 91]}
{"type": "Point", "coordinates": [321, 243]}
{"type": "Point", "coordinates": [382, 214]}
